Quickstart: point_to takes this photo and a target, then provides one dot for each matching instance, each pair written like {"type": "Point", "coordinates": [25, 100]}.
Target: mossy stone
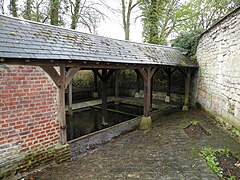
{"type": "Point", "coordinates": [146, 123]}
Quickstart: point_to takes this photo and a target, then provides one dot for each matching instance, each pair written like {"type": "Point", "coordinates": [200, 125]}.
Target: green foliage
{"type": "Point", "coordinates": [13, 8]}
{"type": "Point", "coordinates": [128, 79]}
{"type": "Point", "coordinates": [210, 156]}
{"type": "Point", "coordinates": [83, 80]}
{"type": "Point", "coordinates": [194, 122]}
{"type": "Point", "coordinates": [232, 178]}
{"type": "Point", "coordinates": [187, 43]}
{"type": "Point", "coordinates": [224, 152]}
{"type": "Point", "coordinates": [151, 10]}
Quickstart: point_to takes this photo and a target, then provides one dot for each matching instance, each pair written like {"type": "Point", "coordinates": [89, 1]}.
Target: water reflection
{"type": "Point", "coordinates": [88, 120]}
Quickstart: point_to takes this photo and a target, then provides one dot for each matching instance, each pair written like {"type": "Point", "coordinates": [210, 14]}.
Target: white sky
{"type": "Point", "coordinates": [112, 26]}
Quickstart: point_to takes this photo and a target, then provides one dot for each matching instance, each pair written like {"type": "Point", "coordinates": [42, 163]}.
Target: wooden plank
{"type": "Point", "coordinates": [62, 115]}
{"type": "Point", "coordinates": [70, 74]}
{"type": "Point", "coordinates": [52, 72]}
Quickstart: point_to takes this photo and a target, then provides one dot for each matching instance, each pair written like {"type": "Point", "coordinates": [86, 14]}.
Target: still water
{"type": "Point", "coordinates": [88, 120]}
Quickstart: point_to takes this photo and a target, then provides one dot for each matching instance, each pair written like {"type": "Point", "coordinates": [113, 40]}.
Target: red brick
{"type": "Point", "coordinates": [29, 102]}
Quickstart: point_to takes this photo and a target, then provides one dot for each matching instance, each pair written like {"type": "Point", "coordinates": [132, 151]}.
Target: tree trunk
{"type": "Point", "coordinates": [126, 17]}
{"type": "Point", "coordinates": [13, 8]}
{"type": "Point", "coordinates": [153, 20]}
{"type": "Point", "coordinates": [28, 10]}
{"type": "Point", "coordinates": [54, 12]}
{"type": "Point", "coordinates": [75, 14]}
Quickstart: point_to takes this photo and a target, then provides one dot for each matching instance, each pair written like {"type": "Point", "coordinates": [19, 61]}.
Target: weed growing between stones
{"type": "Point", "coordinates": [222, 162]}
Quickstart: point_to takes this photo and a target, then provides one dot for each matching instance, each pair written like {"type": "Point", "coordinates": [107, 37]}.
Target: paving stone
{"type": "Point", "coordinates": [165, 152]}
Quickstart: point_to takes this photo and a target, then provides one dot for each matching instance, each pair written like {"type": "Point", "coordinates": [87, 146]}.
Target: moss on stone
{"type": "Point", "coordinates": [146, 123]}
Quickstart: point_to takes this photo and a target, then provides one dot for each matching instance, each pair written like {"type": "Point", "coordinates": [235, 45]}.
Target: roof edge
{"type": "Point", "coordinates": [221, 20]}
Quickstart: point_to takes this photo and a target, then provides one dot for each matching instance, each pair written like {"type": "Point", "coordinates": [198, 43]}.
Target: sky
{"type": "Point", "coordinates": [112, 26]}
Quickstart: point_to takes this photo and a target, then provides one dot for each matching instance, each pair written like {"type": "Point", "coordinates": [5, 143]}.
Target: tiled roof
{"type": "Point", "coordinates": [21, 39]}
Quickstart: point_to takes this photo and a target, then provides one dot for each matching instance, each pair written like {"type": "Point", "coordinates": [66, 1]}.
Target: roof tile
{"type": "Point", "coordinates": [25, 39]}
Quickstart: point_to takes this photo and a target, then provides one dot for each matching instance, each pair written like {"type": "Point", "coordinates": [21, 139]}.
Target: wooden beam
{"type": "Point", "coordinates": [183, 72]}
{"type": "Point", "coordinates": [138, 81]}
{"type": "Point", "coordinates": [96, 72]}
{"type": "Point", "coordinates": [70, 112]}
{"type": "Point", "coordinates": [95, 82]}
{"type": "Point", "coordinates": [147, 74]}
{"type": "Point", "coordinates": [52, 72]}
{"type": "Point", "coordinates": [109, 74]}
{"type": "Point", "coordinates": [62, 115]}
{"type": "Point", "coordinates": [70, 74]}
{"type": "Point", "coordinates": [103, 77]}
{"type": "Point", "coordinates": [104, 97]}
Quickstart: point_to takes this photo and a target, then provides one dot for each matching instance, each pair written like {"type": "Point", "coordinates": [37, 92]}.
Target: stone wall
{"type": "Point", "coordinates": [29, 123]}
{"type": "Point", "coordinates": [217, 83]}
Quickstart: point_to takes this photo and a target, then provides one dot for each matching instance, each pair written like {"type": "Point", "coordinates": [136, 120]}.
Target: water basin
{"type": "Point", "coordinates": [88, 120]}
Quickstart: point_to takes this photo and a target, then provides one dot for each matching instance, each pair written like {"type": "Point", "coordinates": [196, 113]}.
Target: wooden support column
{"type": "Point", "coordinates": [187, 89]}
{"type": "Point", "coordinates": [104, 97]}
{"type": "Point", "coordinates": [151, 92]}
{"type": "Point", "coordinates": [104, 78]}
{"type": "Point", "coordinates": [61, 79]}
{"type": "Point", "coordinates": [117, 86]}
{"type": "Point", "coordinates": [70, 112]}
{"type": "Point", "coordinates": [169, 73]}
{"type": "Point", "coordinates": [62, 115]}
{"type": "Point", "coordinates": [138, 81]}
{"type": "Point", "coordinates": [147, 75]}
{"type": "Point", "coordinates": [95, 92]}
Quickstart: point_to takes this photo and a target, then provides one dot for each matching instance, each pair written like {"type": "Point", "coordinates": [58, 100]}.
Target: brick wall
{"type": "Point", "coordinates": [28, 112]}
{"type": "Point", "coordinates": [217, 84]}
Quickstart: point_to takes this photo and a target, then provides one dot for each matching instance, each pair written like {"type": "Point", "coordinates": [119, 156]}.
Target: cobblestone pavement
{"type": "Point", "coordinates": [166, 152]}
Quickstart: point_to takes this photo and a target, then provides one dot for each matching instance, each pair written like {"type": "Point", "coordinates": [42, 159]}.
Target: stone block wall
{"type": "Point", "coordinates": [217, 83]}
{"type": "Point", "coordinates": [28, 116]}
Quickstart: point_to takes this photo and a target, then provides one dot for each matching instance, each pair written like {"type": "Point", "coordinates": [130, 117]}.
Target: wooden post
{"type": "Point", "coordinates": [138, 81]}
{"type": "Point", "coordinates": [62, 115]}
{"type": "Point", "coordinates": [95, 92]}
{"type": "Point", "coordinates": [95, 82]}
{"type": "Point", "coordinates": [147, 94]}
{"type": "Point", "coordinates": [151, 92]}
{"type": "Point", "coordinates": [104, 78]}
{"type": "Point", "coordinates": [117, 86]}
{"type": "Point", "coordinates": [187, 89]}
{"type": "Point", "coordinates": [147, 75]}
{"type": "Point", "coordinates": [168, 71]}
{"type": "Point", "coordinates": [104, 97]}
{"type": "Point", "coordinates": [70, 112]}
{"type": "Point", "coordinates": [62, 80]}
